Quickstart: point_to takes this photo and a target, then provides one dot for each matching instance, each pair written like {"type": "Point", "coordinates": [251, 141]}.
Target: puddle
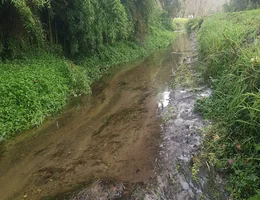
{"type": "Point", "coordinates": [164, 99]}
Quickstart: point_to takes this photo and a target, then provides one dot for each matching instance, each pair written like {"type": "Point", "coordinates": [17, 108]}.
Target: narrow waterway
{"type": "Point", "coordinates": [112, 135]}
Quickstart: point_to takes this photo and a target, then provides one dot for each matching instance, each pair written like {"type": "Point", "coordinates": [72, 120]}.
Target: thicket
{"type": "Point", "coordinates": [93, 35]}
{"type": "Point", "coordinates": [230, 62]}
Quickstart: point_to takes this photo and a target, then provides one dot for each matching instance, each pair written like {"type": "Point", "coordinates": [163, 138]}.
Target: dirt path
{"type": "Point", "coordinates": [114, 135]}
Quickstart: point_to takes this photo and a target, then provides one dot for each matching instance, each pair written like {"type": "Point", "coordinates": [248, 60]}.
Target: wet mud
{"type": "Point", "coordinates": [112, 135]}
{"type": "Point", "coordinates": [136, 137]}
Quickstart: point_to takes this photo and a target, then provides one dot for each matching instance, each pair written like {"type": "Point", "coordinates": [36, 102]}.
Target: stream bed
{"type": "Point", "coordinates": [134, 138]}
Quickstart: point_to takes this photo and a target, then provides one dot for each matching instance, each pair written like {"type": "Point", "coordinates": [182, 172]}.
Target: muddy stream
{"type": "Point", "coordinates": [127, 141]}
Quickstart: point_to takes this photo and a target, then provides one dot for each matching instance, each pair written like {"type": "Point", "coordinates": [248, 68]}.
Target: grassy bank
{"type": "Point", "coordinates": [229, 48]}
{"type": "Point", "coordinates": [38, 85]}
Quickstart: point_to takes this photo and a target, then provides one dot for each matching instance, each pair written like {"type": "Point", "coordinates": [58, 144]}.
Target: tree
{"type": "Point", "coordinates": [238, 5]}
{"type": "Point", "coordinates": [173, 7]}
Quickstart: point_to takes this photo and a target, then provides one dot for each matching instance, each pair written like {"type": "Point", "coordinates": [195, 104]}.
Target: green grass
{"type": "Point", "coordinates": [38, 85]}
{"type": "Point", "coordinates": [179, 23]}
{"type": "Point", "coordinates": [229, 55]}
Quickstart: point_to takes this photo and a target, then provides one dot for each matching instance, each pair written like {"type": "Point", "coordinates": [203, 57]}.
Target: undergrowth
{"type": "Point", "coordinates": [37, 86]}
{"type": "Point", "coordinates": [230, 62]}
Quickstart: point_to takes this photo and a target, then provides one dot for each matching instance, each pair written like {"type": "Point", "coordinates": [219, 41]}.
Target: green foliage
{"type": "Point", "coordinates": [140, 15]}
{"type": "Point", "coordinates": [229, 62]}
{"type": "Point", "coordinates": [88, 24]}
{"type": "Point", "coordinates": [30, 91]}
{"type": "Point", "coordinates": [239, 5]}
{"type": "Point", "coordinates": [20, 27]}
{"type": "Point", "coordinates": [193, 25]}
{"type": "Point", "coordinates": [179, 23]}
{"type": "Point", "coordinates": [38, 85]}
{"type": "Point", "coordinates": [80, 80]}
{"type": "Point", "coordinates": [97, 34]}
{"type": "Point", "coordinates": [81, 27]}
{"type": "Point", "coordinates": [166, 21]}
{"type": "Point", "coordinates": [30, 21]}
{"type": "Point", "coordinates": [99, 63]}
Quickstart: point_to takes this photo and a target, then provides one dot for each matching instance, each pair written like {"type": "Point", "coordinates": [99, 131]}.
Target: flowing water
{"type": "Point", "coordinates": [107, 143]}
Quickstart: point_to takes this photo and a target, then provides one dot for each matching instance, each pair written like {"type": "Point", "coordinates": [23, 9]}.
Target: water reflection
{"type": "Point", "coordinates": [163, 99]}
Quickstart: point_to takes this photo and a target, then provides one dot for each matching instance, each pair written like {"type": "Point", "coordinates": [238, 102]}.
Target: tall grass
{"type": "Point", "coordinates": [229, 57]}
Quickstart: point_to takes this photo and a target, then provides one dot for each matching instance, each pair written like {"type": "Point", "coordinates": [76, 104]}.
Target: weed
{"type": "Point", "coordinates": [195, 168]}
{"type": "Point", "coordinates": [183, 77]}
{"type": "Point", "coordinates": [178, 167]}
{"type": "Point", "coordinates": [203, 197]}
{"type": "Point", "coordinates": [171, 109]}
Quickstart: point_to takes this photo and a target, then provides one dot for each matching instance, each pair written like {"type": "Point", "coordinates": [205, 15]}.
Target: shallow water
{"type": "Point", "coordinates": [112, 135]}
{"type": "Point", "coordinates": [181, 174]}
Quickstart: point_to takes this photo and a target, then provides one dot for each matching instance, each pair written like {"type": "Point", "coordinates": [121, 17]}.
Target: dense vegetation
{"type": "Point", "coordinates": [238, 5]}
{"type": "Point", "coordinates": [229, 61]}
{"type": "Point", "coordinates": [52, 49]}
